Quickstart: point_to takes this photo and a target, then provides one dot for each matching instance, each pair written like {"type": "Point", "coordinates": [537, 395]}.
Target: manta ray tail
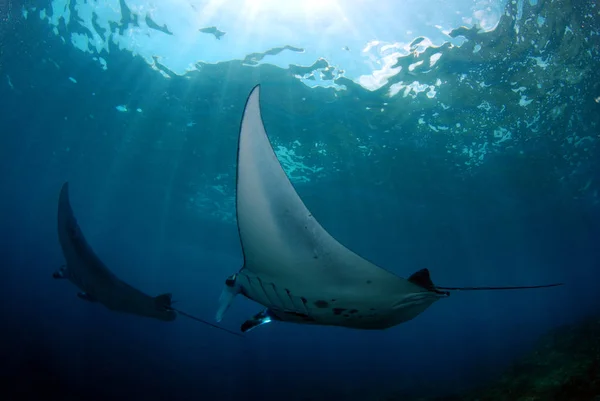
{"type": "Point", "coordinates": [423, 279]}
{"type": "Point", "coordinates": [165, 301]}
{"type": "Point", "coordinates": [205, 322]}
{"type": "Point", "coordinates": [524, 287]}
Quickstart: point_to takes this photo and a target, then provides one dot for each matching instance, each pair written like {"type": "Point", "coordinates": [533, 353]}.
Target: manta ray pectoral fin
{"type": "Point", "coordinates": [60, 273]}
{"type": "Point", "coordinates": [263, 317]}
{"type": "Point", "coordinates": [86, 297]}
{"type": "Point", "coordinates": [229, 292]}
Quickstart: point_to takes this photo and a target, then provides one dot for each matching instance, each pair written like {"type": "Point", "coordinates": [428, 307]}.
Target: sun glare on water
{"type": "Point", "coordinates": [271, 23]}
{"type": "Point", "coordinates": [294, 11]}
{"type": "Point", "coordinates": [307, 7]}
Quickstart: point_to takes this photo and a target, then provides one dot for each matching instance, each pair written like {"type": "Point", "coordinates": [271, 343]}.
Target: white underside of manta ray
{"type": "Point", "coordinates": [294, 267]}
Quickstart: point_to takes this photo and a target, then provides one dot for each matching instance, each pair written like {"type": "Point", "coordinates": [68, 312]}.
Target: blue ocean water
{"type": "Point", "coordinates": [474, 183]}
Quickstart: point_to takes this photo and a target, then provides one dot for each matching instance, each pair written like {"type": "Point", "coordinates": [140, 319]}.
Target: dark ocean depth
{"type": "Point", "coordinates": [472, 185]}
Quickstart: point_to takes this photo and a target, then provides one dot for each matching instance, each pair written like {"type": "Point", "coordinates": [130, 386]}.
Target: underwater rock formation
{"type": "Point", "coordinates": [564, 365]}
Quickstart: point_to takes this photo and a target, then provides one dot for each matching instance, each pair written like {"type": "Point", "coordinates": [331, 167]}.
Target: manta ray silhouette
{"type": "Point", "coordinates": [295, 268]}
{"type": "Point", "coordinates": [97, 283]}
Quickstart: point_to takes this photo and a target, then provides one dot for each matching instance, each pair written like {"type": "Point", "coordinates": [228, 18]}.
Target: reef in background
{"type": "Point", "coordinates": [564, 365]}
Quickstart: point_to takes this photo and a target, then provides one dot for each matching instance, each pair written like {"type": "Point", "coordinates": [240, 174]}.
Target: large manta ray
{"type": "Point", "coordinates": [96, 282]}
{"type": "Point", "coordinates": [295, 268]}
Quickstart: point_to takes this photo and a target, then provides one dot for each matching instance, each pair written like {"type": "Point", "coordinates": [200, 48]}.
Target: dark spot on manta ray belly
{"type": "Point", "coordinates": [321, 304]}
{"type": "Point", "coordinates": [301, 315]}
{"type": "Point", "coordinates": [338, 311]}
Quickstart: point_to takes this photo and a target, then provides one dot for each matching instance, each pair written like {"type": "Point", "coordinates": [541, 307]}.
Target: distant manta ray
{"type": "Point", "coordinates": [295, 268]}
{"type": "Point", "coordinates": [96, 282]}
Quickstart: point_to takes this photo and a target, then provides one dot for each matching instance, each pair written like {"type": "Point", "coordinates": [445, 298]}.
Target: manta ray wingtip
{"type": "Point", "coordinates": [64, 190]}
